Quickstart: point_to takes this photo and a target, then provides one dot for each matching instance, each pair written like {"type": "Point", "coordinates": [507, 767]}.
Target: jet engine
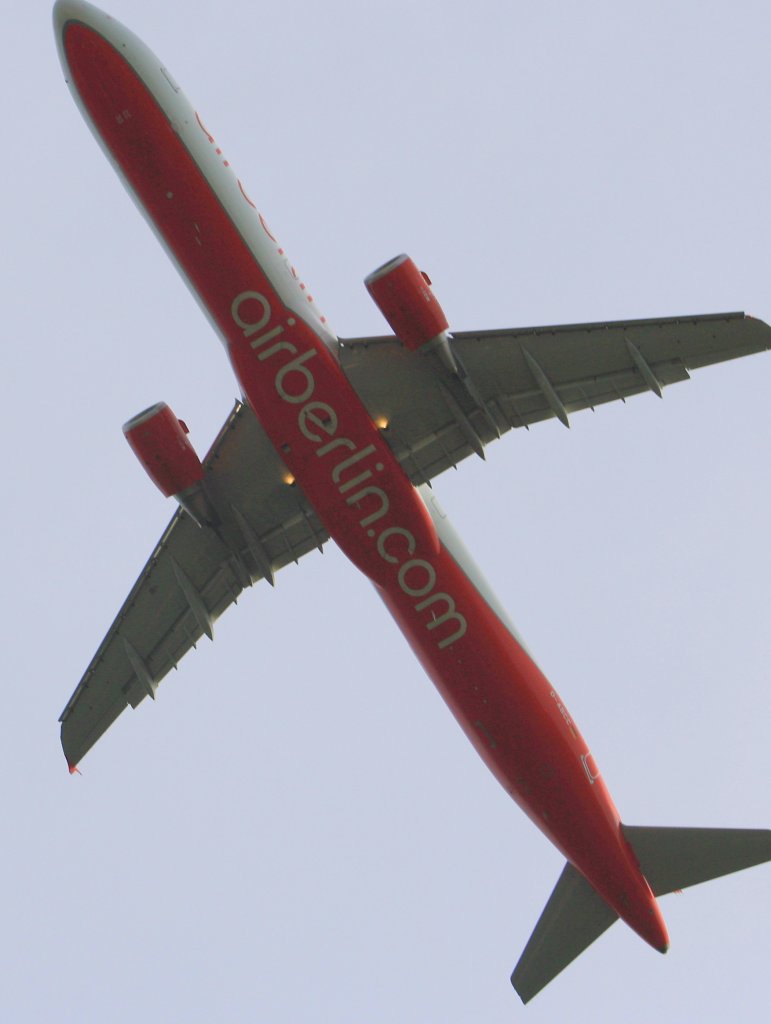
{"type": "Point", "coordinates": [159, 440]}
{"type": "Point", "coordinates": [403, 295]}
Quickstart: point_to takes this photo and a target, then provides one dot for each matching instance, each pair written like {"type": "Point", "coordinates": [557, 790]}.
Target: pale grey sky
{"type": "Point", "coordinates": [297, 830]}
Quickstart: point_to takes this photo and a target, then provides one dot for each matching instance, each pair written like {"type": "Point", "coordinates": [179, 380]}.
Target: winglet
{"type": "Point", "coordinates": [73, 768]}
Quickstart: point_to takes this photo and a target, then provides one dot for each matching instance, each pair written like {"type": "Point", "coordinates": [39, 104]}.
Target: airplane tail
{"type": "Point", "coordinates": [670, 858]}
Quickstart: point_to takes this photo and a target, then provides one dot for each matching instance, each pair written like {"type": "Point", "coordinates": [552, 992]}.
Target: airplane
{"type": "Point", "coordinates": [340, 439]}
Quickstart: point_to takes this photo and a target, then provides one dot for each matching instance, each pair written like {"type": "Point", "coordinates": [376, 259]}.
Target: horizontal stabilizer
{"type": "Point", "coordinates": [674, 858]}
{"type": "Point", "coordinates": [572, 919]}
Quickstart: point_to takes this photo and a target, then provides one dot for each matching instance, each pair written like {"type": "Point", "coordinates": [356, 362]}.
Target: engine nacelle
{"type": "Point", "coordinates": [159, 441]}
{"type": "Point", "coordinates": [404, 297]}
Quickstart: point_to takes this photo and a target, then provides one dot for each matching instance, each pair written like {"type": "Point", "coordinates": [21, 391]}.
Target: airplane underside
{"type": "Point", "coordinates": [338, 457]}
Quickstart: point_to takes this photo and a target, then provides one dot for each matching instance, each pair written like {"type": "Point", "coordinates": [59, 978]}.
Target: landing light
{"type": "Point", "coordinates": [381, 423]}
{"type": "Point", "coordinates": [288, 479]}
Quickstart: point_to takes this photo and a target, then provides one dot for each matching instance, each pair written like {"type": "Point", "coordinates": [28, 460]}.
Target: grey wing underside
{"type": "Point", "coordinates": [192, 576]}
{"type": "Point", "coordinates": [514, 378]}
{"type": "Point", "coordinates": [521, 376]}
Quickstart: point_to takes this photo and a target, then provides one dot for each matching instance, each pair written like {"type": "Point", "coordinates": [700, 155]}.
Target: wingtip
{"type": "Point", "coordinates": [74, 770]}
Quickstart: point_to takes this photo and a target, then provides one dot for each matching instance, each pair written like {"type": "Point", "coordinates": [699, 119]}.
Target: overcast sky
{"type": "Point", "coordinates": [297, 830]}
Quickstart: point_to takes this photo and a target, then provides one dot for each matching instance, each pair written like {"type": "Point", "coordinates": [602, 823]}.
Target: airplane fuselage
{"type": "Point", "coordinates": [284, 356]}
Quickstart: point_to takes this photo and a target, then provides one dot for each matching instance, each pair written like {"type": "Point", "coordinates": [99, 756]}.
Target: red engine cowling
{"type": "Point", "coordinates": [159, 441]}
{"type": "Point", "coordinates": [404, 297]}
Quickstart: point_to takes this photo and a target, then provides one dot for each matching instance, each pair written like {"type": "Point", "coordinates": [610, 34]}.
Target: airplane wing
{"type": "Point", "coordinates": [192, 576]}
{"type": "Point", "coordinates": [517, 377]}
{"type": "Point", "coordinates": [513, 378]}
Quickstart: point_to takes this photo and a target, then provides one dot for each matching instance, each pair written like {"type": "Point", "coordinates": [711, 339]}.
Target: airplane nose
{"type": "Point", "coordinates": [74, 10]}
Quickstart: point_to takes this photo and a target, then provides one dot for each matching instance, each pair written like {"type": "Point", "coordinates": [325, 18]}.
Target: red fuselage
{"type": "Point", "coordinates": [290, 375]}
